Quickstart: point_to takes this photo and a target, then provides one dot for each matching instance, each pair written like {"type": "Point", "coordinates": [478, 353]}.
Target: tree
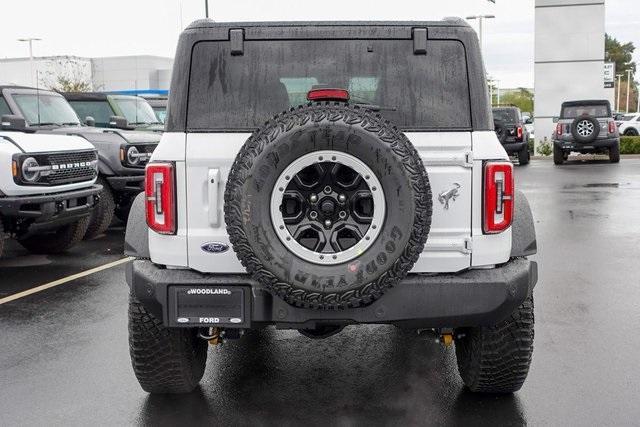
{"type": "Point", "coordinates": [67, 74]}
{"type": "Point", "coordinates": [621, 54]}
{"type": "Point", "coordinates": [522, 98]}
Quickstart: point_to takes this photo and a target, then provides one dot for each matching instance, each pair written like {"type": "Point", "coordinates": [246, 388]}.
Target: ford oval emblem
{"type": "Point", "coordinates": [215, 247]}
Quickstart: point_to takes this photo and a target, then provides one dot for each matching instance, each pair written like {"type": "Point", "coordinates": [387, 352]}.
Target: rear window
{"type": "Point", "coordinates": [416, 91]}
{"type": "Point", "coordinates": [508, 115]}
{"type": "Point", "coordinates": [596, 110]}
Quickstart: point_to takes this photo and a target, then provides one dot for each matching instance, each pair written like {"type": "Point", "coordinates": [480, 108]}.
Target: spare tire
{"type": "Point", "coordinates": [501, 130]}
{"type": "Point", "coordinates": [585, 129]}
{"type": "Point", "coordinates": [328, 206]}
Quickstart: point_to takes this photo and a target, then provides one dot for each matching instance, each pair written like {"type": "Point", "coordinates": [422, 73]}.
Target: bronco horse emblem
{"type": "Point", "coordinates": [448, 195]}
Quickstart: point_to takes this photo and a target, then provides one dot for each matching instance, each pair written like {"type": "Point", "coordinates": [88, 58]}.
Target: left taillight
{"type": "Point", "coordinates": [499, 195]}
{"type": "Point", "coordinates": [160, 195]}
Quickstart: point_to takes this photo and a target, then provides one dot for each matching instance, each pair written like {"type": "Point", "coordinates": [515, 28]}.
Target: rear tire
{"type": "Point", "coordinates": [558, 156]}
{"type": "Point", "coordinates": [631, 132]}
{"type": "Point", "coordinates": [3, 237]}
{"type": "Point", "coordinates": [614, 154]}
{"type": "Point", "coordinates": [523, 156]}
{"type": "Point", "coordinates": [496, 359]}
{"type": "Point", "coordinates": [164, 360]}
{"type": "Point", "coordinates": [102, 213]}
{"type": "Point", "coordinates": [58, 241]}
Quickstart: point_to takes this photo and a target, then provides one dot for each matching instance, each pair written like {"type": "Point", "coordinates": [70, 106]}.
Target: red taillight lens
{"type": "Point", "coordinates": [612, 127]}
{"type": "Point", "coordinates": [498, 196]}
{"type": "Point", "coordinates": [328, 95]}
{"type": "Point", "coordinates": [160, 194]}
{"type": "Point", "coordinates": [519, 132]}
{"type": "Point", "coordinates": [559, 129]}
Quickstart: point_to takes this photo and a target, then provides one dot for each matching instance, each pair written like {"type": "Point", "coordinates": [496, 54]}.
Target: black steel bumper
{"type": "Point", "coordinates": [470, 298]}
{"type": "Point", "coordinates": [51, 210]}
{"type": "Point", "coordinates": [576, 146]}
{"type": "Point", "coordinates": [127, 183]}
{"type": "Point", "coordinates": [514, 147]}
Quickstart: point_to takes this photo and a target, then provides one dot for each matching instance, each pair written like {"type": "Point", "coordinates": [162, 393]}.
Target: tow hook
{"type": "Point", "coordinates": [214, 336]}
{"type": "Point", "coordinates": [217, 336]}
{"type": "Point", "coordinates": [442, 336]}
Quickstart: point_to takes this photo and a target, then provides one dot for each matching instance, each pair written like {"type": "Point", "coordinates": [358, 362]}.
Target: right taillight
{"type": "Point", "coordinates": [559, 129]}
{"type": "Point", "coordinates": [612, 127]}
{"type": "Point", "coordinates": [498, 196]}
{"type": "Point", "coordinates": [160, 195]}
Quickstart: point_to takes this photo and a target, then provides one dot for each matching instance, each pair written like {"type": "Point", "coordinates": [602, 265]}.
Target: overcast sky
{"type": "Point", "coordinates": [130, 27]}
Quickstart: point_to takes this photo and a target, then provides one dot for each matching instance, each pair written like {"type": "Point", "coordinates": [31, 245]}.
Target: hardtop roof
{"type": "Point", "coordinates": [446, 22]}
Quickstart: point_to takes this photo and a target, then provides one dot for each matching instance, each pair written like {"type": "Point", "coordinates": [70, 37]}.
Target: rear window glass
{"type": "Point", "coordinates": [100, 111]}
{"type": "Point", "coordinates": [416, 91]}
{"type": "Point", "coordinates": [596, 110]}
{"type": "Point", "coordinates": [508, 115]}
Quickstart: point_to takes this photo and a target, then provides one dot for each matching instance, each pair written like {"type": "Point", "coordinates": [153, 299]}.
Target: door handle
{"type": "Point", "coordinates": [213, 184]}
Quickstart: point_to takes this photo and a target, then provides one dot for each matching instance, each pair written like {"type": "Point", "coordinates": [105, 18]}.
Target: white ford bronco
{"type": "Point", "coordinates": [47, 187]}
{"type": "Point", "coordinates": [318, 175]}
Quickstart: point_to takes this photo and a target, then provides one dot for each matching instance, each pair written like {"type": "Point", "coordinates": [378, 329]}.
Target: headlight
{"type": "Point", "coordinates": [28, 172]}
{"type": "Point", "coordinates": [133, 156]}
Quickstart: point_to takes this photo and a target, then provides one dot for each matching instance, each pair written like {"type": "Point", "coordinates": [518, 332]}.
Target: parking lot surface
{"type": "Point", "coordinates": [64, 356]}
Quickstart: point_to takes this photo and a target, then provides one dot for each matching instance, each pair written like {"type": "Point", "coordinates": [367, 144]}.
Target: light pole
{"type": "Point", "coordinates": [206, 8]}
{"type": "Point", "coordinates": [619, 76]}
{"type": "Point", "coordinates": [628, 88]}
{"type": "Point", "coordinates": [480, 19]}
{"type": "Point", "coordinates": [30, 40]}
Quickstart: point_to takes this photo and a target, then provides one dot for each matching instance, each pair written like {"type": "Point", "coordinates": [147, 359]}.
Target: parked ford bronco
{"type": "Point", "coordinates": [355, 172]}
{"type": "Point", "coordinates": [114, 111]}
{"type": "Point", "coordinates": [586, 127]}
{"type": "Point", "coordinates": [122, 154]}
{"type": "Point", "coordinates": [47, 186]}
{"type": "Point", "coordinates": [512, 133]}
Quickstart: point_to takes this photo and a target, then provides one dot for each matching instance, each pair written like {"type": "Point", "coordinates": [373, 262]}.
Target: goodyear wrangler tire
{"type": "Point", "coordinates": [328, 206]}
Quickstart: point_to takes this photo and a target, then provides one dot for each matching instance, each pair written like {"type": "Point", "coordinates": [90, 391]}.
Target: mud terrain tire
{"type": "Point", "coordinates": [342, 128]}
{"type": "Point", "coordinates": [164, 360]}
{"type": "Point", "coordinates": [102, 213]}
{"type": "Point", "coordinates": [496, 359]}
{"type": "Point", "coordinates": [57, 241]}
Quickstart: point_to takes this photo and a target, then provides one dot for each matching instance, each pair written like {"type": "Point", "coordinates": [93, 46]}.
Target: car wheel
{"type": "Point", "coordinates": [631, 132]}
{"type": "Point", "coordinates": [164, 360]}
{"type": "Point", "coordinates": [103, 211]}
{"type": "Point", "coordinates": [335, 227]}
{"type": "Point", "coordinates": [3, 237]}
{"type": "Point", "coordinates": [558, 155]}
{"type": "Point", "coordinates": [524, 156]}
{"type": "Point", "coordinates": [585, 129]}
{"type": "Point", "coordinates": [496, 359]}
{"type": "Point", "coordinates": [614, 154]}
{"type": "Point", "coordinates": [57, 241]}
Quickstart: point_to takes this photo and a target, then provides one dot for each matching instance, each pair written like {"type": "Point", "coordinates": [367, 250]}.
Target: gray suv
{"type": "Point", "coordinates": [586, 127]}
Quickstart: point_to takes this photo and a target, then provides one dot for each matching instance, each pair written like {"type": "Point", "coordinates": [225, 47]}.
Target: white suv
{"type": "Point", "coordinates": [47, 187]}
{"type": "Point", "coordinates": [318, 175]}
{"type": "Point", "coordinates": [629, 125]}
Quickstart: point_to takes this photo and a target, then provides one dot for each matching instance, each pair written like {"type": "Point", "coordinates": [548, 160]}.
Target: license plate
{"type": "Point", "coordinates": [208, 306]}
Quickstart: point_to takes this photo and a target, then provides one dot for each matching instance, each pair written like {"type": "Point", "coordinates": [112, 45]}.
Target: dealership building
{"type": "Point", "coordinates": [116, 73]}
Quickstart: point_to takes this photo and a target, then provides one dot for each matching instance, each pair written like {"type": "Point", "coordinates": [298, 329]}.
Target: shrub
{"type": "Point", "coordinates": [630, 145]}
{"type": "Point", "coordinates": [545, 149]}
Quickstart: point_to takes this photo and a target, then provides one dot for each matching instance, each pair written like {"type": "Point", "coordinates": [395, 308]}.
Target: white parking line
{"type": "Point", "coordinates": [63, 280]}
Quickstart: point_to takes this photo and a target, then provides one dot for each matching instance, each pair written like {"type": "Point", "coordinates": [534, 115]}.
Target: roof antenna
{"type": "Point", "coordinates": [38, 95]}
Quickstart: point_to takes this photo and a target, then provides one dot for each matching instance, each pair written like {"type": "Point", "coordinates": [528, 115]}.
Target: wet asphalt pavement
{"type": "Point", "coordinates": [64, 356]}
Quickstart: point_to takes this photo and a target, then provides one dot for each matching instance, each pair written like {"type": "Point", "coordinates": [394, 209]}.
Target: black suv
{"type": "Point", "coordinates": [512, 133]}
{"type": "Point", "coordinates": [586, 127]}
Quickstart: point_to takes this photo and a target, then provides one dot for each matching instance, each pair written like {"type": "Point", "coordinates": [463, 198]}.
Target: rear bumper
{"type": "Point", "coordinates": [470, 298]}
{"type": "Point", "coordinates": [126, 184]}
{"type": "Point", "coordinates": [576, 146]}
{"type": "Point", "coordinates": [514, 147]}
{"type": "Point", "coordinates": [51, 210]}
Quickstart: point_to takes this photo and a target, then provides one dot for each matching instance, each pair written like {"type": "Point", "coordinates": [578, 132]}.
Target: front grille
{"type": "Point", "coordinates": [66, 167]}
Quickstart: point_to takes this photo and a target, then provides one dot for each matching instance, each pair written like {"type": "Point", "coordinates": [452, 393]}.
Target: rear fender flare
{"type": "Point", "coordinates": [523, 237]}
